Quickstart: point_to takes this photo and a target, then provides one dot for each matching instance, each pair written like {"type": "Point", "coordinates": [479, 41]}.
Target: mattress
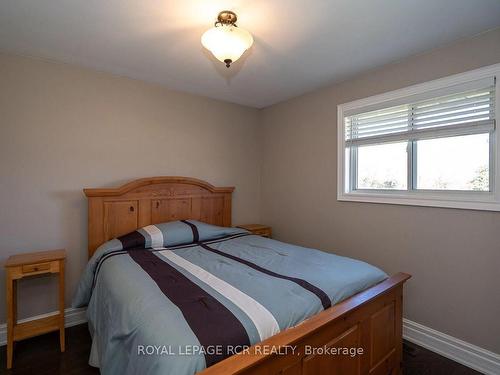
{"type": "Point", "coordinates": [177, 298]}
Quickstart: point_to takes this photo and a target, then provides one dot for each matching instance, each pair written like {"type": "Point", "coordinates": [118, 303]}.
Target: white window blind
{"type": "Point", "coordinates": [468, 112]}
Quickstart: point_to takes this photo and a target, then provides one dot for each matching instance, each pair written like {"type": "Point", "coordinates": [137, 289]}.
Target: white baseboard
{"type": "Point", "coordinates": [457, 350]}
{"type": "Point", "coordinates": [448, 346]}
{"type": "Point", "coordinates": [72, 317]}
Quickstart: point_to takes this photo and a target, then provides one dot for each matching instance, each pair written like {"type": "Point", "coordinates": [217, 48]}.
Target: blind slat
{"type": "Point", "coordinates": [381, 119]}
{"type": "Point", "coordinates": [381, 131]}
{"type": "Point", "coordinates": [465, 107]}
{"type": "Point", "coordinates": [384, 125]}
{"type": "Point", "coordinates": [452, 118]}
{"type": "Point", "coordinates": [374, 116]}
{"type": "Point", "coordinates": [458, 103]}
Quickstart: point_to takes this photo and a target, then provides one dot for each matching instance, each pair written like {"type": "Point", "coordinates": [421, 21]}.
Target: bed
{"type": "Point", "coordinates": [172, 288]}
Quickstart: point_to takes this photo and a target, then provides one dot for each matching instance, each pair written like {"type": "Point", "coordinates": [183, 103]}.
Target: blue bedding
{"type": "Point", "coordinates": [175, 298]}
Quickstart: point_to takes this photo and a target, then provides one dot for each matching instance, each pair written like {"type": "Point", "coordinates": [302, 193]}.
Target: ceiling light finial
{"type": "Point", "coordinates": [226, 40]}
{"type": "Point", "coordinates": [226, 17]}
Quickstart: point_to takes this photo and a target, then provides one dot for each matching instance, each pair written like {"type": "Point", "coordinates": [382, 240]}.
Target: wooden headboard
{"type": "Point", "coordinates": [114, 212]}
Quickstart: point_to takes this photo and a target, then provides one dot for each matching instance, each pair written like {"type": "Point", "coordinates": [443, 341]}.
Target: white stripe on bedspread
{"type": "Point", "coordinates": [155, 234]}
{"type": "Point", "coordinates": [264, 321]}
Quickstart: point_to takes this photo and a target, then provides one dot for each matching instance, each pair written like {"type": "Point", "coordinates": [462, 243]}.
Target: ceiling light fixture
{"type": "Point", "coordinates": [226, 41]}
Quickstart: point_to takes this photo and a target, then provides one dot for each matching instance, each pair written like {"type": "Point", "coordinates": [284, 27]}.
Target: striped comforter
{"type": "Point", "coordinates": [176, 309]}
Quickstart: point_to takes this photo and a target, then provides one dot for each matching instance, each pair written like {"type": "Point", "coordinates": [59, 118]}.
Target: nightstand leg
{"type": "Point", "coordinates": [14, 302]}
{"type": "Point", "coordinates": [11, 314]}
{"type": "Point", "coordinates": [61, 306]}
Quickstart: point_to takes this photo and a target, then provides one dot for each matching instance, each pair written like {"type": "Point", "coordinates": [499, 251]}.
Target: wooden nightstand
{"type": "Point", "coordinates": [28, 265]}
{"type": "Point", "coordinates": [261, 230]}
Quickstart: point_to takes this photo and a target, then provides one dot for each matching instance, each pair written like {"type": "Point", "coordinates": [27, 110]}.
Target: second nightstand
{"type": "Point", "coordinates": [259, 229]}
{"type": "Point", "coordinates": [27, 265]}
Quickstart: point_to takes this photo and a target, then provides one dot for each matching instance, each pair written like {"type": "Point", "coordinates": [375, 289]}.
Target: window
{"type": "Point", "coordinates": [432, 144]}
{"type": "Point", "coordinates": [382, 166]}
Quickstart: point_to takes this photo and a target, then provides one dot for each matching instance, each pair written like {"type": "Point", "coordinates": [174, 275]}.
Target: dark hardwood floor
{"type": "Point", "coordinates": [420, 361]}
{"type": "Point", "coordinates": [41, 356]}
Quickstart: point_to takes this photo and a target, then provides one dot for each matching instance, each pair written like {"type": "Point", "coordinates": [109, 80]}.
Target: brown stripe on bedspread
{"type": "Point", "coordinates": [210, 320]}
{"type": "Point", "coordinates": [196, 235]}
{"type": "Point", "coordinates": [132, 240]}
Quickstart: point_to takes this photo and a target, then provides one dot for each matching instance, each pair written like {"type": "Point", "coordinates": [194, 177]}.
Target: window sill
{"type": "Point", "coordinates": [421, 200]}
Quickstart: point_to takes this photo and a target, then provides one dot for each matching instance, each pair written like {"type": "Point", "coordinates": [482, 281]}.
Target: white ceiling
{"type": "Point", "coordinates": [299, 45]}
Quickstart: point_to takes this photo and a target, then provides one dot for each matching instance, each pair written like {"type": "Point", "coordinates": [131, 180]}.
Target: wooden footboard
{"type": "Point", "coordinates": [369, 324]}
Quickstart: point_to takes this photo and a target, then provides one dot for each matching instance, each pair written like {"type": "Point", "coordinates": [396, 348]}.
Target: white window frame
{"type": "Point", "coordinates": [474, 200]}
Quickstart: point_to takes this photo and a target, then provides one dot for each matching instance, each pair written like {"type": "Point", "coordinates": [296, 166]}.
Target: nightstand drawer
{"type": "Point", "coordinates": [36, 268]}
{"type": "Point", "coordinates": [263, 232]}
{"type": "Point", "coordinates": [32, 269]}
{"type": "Point", "coordinates": [258, 229]}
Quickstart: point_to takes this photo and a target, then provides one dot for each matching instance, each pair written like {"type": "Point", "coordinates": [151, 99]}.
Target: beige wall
{"type": "Point", "coordinates": [454, 255]}
{"type": "Point", "coordinates": [63, 128]}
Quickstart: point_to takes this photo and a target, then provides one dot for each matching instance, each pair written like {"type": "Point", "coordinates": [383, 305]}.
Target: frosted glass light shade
{"type": "Point", "coordinates": [227, 42]}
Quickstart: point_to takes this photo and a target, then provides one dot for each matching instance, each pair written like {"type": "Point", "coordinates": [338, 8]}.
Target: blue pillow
{"type": "Point", "coordinates": [168, 234]}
